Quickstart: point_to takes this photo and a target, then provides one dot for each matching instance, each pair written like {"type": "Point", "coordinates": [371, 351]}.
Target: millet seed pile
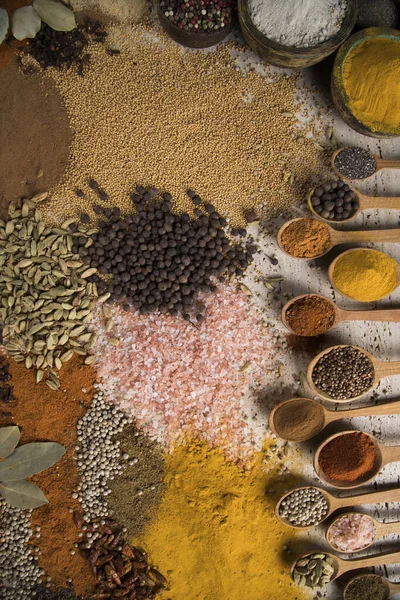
{"type": "Point", "coordinates": [181, 121]}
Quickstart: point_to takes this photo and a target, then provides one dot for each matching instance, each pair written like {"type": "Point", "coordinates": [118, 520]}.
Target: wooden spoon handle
{"type": "Point", "coordinates": [372, 498]}
{"type": "Point", "coordinates": [387, 164]}
{"type": "Point", "coordinates": [389, 408]}
{"type": "Point", "coordinates": [386, 369]}
{"type": "Point", "coordinates": [390, 454]}
{"type": "Point", "coordinates": [379, 236]}
{"type": "Point", "coordinates": [389, 315]}
{"type": "Point", "coordinates": [393, 587]}
{"type": "Point", "coordinates": [371, 561]}
{"type": "Point", "coordinates": [379, 202]}
{"type": "Point", "coordinates": [388, 528]}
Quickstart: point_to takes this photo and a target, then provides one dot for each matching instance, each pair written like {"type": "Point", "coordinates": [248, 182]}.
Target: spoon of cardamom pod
{"type": "Point", "coordinates": [317, 569]}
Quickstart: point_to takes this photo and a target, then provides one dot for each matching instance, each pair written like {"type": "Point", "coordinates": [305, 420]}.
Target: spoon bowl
{"type": "Point", "coordinates": [383, 456]}
{"type": "Point", "coordinates": [391, 587]}
{"type": "Point", "coordinates": [334, 503]}
{"type": "Point", "coordinates": [323, 416]}
{"type": "Point", "coordinates": [381, 369]}
{"type": "Point", "coordinates": [380, 164]}
{"type": "Point", "coordinates": [335, 261]}
{"type": "Point", "coordinates": [364, 203]}
{"type": "Point", "coordinates": [341, 315]}
{"type": "Point", "coordinates": [381, 529]}
{"type": "Point", "coordinates": [342, 237]}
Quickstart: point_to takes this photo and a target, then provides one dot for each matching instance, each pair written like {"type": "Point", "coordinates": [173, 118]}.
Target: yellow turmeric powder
{"type": "Point", "coordinates": [216, 536]}
{"type": "Point", "coordinates": [365, 275]}
{"type": "Point", "coordinates": [371, 79]}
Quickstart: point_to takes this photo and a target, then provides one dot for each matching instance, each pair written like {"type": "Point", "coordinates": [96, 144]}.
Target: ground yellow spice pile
{"type": "Point", "coordinates": [215, 536]}
{"type": "Point", "coordinates": [157, 116]}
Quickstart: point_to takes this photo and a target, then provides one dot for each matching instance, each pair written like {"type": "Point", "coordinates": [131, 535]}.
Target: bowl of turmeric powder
{"type": "Point", "coordinates": [366, 82]}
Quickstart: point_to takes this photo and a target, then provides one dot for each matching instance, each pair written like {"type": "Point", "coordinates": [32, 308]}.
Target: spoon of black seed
{"type": "Point", "coordinates": [159, 261]}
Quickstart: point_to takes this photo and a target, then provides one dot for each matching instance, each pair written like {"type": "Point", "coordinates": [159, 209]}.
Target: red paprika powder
{"type": "Point", "coordinates": [348, 457]}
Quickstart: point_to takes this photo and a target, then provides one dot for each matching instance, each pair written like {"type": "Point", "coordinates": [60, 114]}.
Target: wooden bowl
{"type": "Point", "coordinates": [339, 94]}
{"type": "Point", "coordinates": [199, 39]}
{"type": "Point", "coordinates": [289, 56]}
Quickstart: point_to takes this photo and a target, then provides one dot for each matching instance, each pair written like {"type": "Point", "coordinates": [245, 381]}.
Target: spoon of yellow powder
{"type": "Point", "coordinates": [364, 274]}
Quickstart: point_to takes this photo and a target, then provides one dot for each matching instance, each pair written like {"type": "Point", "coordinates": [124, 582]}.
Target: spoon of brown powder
{"type": "Point", "coordinates": [307, 238]}
{"type": "Point", "coordinates": [313, 314]}
{"type": "Point", "coordinates": [300, 419]}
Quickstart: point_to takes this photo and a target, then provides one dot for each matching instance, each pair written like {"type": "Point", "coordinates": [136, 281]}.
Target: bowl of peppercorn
{"type": "Point", "coordinates": [197, 24]}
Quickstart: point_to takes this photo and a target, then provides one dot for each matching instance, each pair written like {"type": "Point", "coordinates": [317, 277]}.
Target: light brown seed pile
{"type": "Point", "coordinates": [159, 117]}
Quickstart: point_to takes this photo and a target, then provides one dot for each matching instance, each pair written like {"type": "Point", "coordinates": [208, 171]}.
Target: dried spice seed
{"type": "Point", "coordinates": [355, 163]}
{"type": "Point", "coordinates": [208, 84]}
{"type": "Point", "coordinates": [159, 260]}
{"type": "Point", "coordinates": [64, 50]}
{"type": "Point", "coordinates": [335, 201]}
{"type": "Point", "coordinates": [343, 373]}
{"type": "Point", "coordinates": [304, 507]}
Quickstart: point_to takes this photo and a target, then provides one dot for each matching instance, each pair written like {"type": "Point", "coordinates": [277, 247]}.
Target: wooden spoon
{"type": "Point", "coordinates": [381, 369]}
{"type": "Point", "coordinates": [390, 315]}
{"type": "Point", "coordinates": [326, 416]}
{"type": "Point", "coordinates": [377, 236]}
{"type": "Point", "coordinates": [381, 529]}
{"type": "Point", "coordinates": [384, 455]}
{"type": "Point", "coordinates": [364, 203]}
{"type": "Point", "coordinates": [333, 265]}
{"type": "Point", "coordinates": [342, 566]}
{"type": "Point", "coordinates": [391, 587]}
{"type": "Point", "coordinates": [334, 503]}
{"type": "Point", "coordinates": [380, 164]}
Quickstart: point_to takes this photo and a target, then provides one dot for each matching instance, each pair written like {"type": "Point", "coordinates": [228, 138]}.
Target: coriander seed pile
{"type": "Point", "coordinates": [181, 121]}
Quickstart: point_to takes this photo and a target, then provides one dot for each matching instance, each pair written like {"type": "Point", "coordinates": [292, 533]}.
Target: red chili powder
{"type": "Point", "coordinates": [348, 457]}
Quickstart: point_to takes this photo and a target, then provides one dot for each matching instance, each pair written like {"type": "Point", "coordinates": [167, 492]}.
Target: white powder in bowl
{"type": "Point", "coordinates": [298, 23]}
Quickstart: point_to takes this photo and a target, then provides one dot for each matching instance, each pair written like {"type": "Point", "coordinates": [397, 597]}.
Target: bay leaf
{"type": "Point", "coordinates": [4, 22]}
{"type": "Point", "coordinates": [22, 494]}
{"type": "Point", "coordinates": [56, 15]}
{"type": "Point", "coordinates": [29, 459]}
{"type": "Point", "coordinates": [25, 23]}
{"type": "Point", "coordinates": [9, 438]}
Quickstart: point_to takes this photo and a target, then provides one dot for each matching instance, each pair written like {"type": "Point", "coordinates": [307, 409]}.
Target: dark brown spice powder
{"type": "Point", "coordinates": [136, 494]}
{"type": "Point", "coordinates": [311, 315]}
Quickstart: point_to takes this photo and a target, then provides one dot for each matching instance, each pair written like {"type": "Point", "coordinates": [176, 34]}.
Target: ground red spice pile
{"type": "Point", "coordinates": [46, 415]}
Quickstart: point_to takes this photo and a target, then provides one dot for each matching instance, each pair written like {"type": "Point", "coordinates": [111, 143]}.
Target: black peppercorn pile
{"type": "Point", "coordinates": [61, 49]}
{"type": "Point", "coordinates": [334, 201]}
{"type": "Point", "coordinates": [160, 261]}
{"type": "Point", "coordinates": [343, 373]}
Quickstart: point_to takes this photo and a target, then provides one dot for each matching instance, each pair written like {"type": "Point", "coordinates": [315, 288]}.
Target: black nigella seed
{"type": "Point", "coordinates": [80, 193]}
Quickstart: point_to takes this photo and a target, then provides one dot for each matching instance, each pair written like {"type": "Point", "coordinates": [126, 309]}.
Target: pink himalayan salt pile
{"type": "Point", "coordinates": [181, 382]}
{"type": "Point", "coordinates": [352, 532]}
